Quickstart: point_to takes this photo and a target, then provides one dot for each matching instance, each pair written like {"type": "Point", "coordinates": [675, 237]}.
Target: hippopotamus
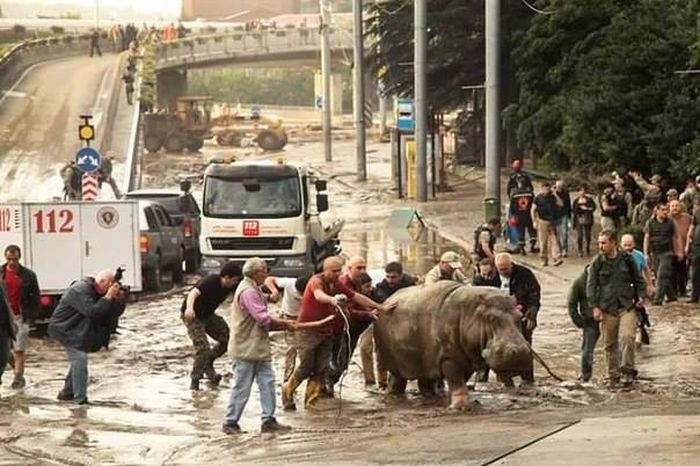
{"type": "Point", "coordinates": [450, 330]}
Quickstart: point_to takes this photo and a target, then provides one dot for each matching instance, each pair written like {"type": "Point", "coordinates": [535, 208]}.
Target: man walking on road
{"type": "Point", "coordinates": [95, 43]}
{"type": "Point", "coordinates": [23, 295]}
{"type": "Point", "coordinates": [661, 239]}
{"type": "Point", "coordinates": [251, 324]}
{"type": "Point", "coordinates": [545, 210]}
{"type": "Point", "coordinates": [199, 315]}
{"type": "Point", "coordinates": [614, 288]}
{"type": "Point", "coordinates": [582, 317]}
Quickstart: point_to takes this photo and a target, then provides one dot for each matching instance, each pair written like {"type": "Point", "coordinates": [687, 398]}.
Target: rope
{"type": "Point", "coordinates": [342, 375]}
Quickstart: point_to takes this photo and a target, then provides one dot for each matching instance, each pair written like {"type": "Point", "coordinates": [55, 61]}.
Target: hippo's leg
{"type": "Point", "coordinates": [427, 387]}
{"type": "Point", "coordinates": [454, 374]}
{"type": "Point", "coordinates": [397, 384]}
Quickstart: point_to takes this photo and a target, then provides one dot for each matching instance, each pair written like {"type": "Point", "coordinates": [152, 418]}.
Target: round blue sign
{"type": "Point", "coordinates": [88, 159]}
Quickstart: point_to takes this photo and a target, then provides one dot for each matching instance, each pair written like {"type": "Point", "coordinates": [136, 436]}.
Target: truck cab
{"type": "Point", "coordinates": [265, 209]}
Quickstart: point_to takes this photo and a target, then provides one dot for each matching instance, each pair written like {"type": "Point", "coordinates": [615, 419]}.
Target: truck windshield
{"type": "Point", "coordinates": [252, 198]}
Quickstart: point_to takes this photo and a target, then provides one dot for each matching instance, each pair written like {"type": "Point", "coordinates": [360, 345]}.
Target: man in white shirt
{"type": "Point", "coordinates": [291, 291]}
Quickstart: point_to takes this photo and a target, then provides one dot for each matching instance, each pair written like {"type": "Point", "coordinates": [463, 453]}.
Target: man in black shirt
{"type": "Point", "coordinates": [198, 312]}
{"type": "Point", "coordinates": [545, 209]}
{"type": "Point", "coordinates": [660, 241]}
{"type": "Point", "coordinates": [394, 280]}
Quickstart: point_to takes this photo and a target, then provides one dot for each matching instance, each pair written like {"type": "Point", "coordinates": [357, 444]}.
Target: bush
{"type": "Point", "coordinates": [218, 38]}
{"type": "Point", "coordinates": [57, 29]}
{"type": "Point", "coordinates": [237, 36]}
{"type": "Point", "coordinates": [202, 40]}
{"type": "Point", "coordinates": [54, 40]}
{"type": "Point", "coordinates": [281, 33]}
{"type": "Point", "coordinates": [210, 29]}
{"type": "Point", "coordinates": [67, 39]}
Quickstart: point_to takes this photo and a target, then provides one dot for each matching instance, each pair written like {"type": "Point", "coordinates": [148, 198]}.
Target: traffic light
{"type": "Point", "coordinates": [86, 132]}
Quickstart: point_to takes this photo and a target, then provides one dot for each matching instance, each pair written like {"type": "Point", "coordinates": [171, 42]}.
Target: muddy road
{"type": "Point", "coordinates": [142, 412]}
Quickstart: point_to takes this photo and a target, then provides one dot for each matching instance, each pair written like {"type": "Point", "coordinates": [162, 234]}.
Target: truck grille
{"type": "Point", "coordinates": [241, 244]}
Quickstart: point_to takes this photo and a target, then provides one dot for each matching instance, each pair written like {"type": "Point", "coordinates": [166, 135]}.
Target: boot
{"type": "Point", "coordinates": [313, 392]}
{"type": "Point", "coordinates": [288, 388]}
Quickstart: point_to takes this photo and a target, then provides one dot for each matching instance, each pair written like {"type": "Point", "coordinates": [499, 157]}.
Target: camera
{"type": "Point", "coordinates": [118, 275]}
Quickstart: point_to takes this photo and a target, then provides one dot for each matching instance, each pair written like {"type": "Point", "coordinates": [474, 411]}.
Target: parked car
{"type": "Point", "coordinates": [161, 243]}
{"type": "Point", "coordinates": [185, 212]}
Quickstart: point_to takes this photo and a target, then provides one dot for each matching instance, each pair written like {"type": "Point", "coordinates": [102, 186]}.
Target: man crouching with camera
{"type": "Point", "coordinates": [82, 323]}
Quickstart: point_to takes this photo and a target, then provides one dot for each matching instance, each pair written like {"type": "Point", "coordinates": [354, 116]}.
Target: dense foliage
{"type": "Point", "coordinates": [596, 85]}
{"type": "Point", "coordinates": [598, 88]}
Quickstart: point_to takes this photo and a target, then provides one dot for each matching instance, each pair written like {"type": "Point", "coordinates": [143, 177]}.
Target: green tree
{"type": "Point", "coordinates": [598, 88]}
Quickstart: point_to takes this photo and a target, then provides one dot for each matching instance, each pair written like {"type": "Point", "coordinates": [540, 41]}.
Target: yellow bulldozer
{"type": "Point", "coordinates": [191, 123]}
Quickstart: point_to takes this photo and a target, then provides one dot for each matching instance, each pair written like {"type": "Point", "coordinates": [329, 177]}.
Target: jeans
{"type": "Point", "coordinates": [243, 374]}
{"type": "Point", "coordinates": [562, 226]}
{"type": "Point", "coordinates": [583, 238]}
{"type": "Point", "coordinates": [4, 349]}
{"type": "Point", "coordinates": [77, 378]}
{"type": "Point", "coordinates": [591, 333]}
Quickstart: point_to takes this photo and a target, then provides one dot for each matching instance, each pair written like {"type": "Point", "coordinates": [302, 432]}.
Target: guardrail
{"type": "Point", "coordinates": [133, 158]}
{"type": "Point", "coordinates": [226, 45]}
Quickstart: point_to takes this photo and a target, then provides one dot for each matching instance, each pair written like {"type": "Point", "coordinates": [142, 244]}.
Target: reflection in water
{"type": "Point", "coordinates": [417, 254]}
{"type": "Point", "coordinates": [77, 438]}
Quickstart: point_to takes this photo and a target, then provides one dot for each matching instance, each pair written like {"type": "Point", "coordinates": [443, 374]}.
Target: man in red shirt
{"type": "Point", "coordinates": [23, 295]}
{"type": "Point", "coordinates": [359, 319]}
{"type": "Point", "coordinates": [322, 298]}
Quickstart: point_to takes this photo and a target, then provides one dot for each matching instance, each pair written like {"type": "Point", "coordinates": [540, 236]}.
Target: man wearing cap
{"type": "Point", "coordinates": [449, 268]}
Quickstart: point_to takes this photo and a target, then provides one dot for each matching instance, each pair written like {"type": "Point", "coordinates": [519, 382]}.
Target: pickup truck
{"type": "Point", "coordinates": [184, 211]}
{"type": "Point", "coordinates": [161, 243]}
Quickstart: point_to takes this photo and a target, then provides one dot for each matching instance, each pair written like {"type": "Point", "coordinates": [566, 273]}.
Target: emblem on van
{"type": "Point", "coordinates": [108, 217]}
{"type": "Point", "coordinates": [251, 228]}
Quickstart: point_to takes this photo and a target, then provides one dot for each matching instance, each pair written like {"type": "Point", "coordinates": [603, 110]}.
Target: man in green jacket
{"type": "Point", "coordinates": [582, 317]}
{"type": "Point", "coordinates": [614, 287]}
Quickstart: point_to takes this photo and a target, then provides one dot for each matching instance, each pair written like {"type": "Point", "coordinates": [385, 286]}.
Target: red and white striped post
{"type": "Point", "coordinates": [90, 189]}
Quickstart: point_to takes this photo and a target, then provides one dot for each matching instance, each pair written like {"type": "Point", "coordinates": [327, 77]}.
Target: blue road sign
{"type": "Point", "coordinates": [255, 111]}
{"type": "Point", "coordinates": [319, 102]}
{"type": "Point", "coordinates": [405, 120]}
{"type": "Point", "coordinates": [88, 159]}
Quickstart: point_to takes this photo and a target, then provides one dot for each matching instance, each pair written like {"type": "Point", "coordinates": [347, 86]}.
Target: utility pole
{"type": "Point", "coordinates": [326, 77]}
{"type": "Point", "coordinates": [359, 90]}
{"type": "Point", "coordinates": [493, 120]}
{"type": "Point", "coordinates": [420, 13]}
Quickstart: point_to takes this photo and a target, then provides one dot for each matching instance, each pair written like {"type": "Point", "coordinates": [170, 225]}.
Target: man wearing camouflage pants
{"type": "Point", "coordinates": [199, 315]}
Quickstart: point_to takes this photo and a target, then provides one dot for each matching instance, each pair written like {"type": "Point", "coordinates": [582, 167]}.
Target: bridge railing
{"type": "Point", "coordinates": [220, 46]}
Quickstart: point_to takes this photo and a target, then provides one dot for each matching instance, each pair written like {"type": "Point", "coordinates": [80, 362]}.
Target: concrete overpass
{"type": "Point", "coordinates": [268, 48]}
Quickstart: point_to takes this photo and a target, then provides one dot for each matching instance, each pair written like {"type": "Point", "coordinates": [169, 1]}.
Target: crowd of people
{"type": "Point", "coordinates": [658, 217]}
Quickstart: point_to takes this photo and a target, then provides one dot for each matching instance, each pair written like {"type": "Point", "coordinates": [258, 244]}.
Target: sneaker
{"type": "Point", "coordinates": [271, 425]}
{"type": "Point", "coordinates": [18, 383]}
{"type": "Point", "coordinates": [558, 262]}
{"type": "Point", "coordinates": [194, 384]}
{"type": "Point", "coordinates": [231, 429]}
{"type": "Point", "coordinates": [63, 396]}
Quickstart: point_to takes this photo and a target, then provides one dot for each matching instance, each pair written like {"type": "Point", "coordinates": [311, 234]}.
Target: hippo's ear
{"type": "Point", "coordinates": [499, 301]}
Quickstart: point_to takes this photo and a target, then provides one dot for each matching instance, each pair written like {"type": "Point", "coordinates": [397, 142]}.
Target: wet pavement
{"type": "Point", "coordinates": [143, 413]}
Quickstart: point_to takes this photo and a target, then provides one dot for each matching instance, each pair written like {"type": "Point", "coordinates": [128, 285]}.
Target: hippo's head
{"type": "Point", "coordinates": [503, 348]}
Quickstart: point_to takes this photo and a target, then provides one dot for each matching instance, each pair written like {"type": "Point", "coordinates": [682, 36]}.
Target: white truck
{"type": "Point", "coordinates": [265, 209]}
{"type": "Point", "coordinates": [65, 241]}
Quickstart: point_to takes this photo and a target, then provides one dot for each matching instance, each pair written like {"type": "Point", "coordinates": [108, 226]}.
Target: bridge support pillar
{"type": "Point", "coordinates": [170, 85]}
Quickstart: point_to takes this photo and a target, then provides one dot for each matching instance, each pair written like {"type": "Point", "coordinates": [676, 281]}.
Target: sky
{"type": "Point", "coordinates": [162, 6]}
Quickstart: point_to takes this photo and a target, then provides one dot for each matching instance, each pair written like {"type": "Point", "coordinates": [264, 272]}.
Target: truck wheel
{"type": "Point", "coordinates": [194, 144]}
{"type": "Point", "coordinates": [174, 142]}
{"type": "Point", "coordinates": [177, 273]}
{"type": "Point", "coordinates": [270, 140]}
{"type": "Point", "coordinates": [192, 262]}
{"type": "Point", "coordinates": [152, 280]}
{"type": "Point", "coordinates": [152, 143]}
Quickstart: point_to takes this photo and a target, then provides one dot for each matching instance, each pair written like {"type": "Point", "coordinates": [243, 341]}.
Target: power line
{"type": "Point", "coordinates": [392, 12]}
{"type": "Point", "coordinates": [537, 10]}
